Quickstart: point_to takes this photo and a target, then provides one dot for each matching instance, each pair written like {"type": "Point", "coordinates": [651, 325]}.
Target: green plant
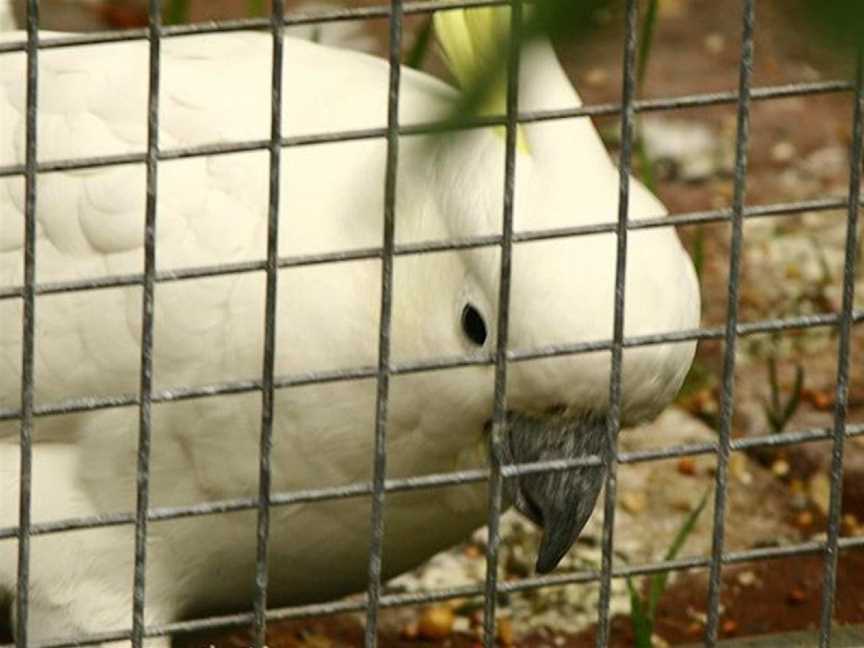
{"type": "Point", "coordinates": [646, 39]}
{"type": "Point", "coordinates": [777, 412]}
{"type": "Point", "coordinates": [699, 253]}
{"type": "Point", "coordinates": [417, 54]}
{"type": "Point", "coordinates": [839, 22]}
{"type": "Point", "coordinates": [176, 12]}
{"type": "Point", "coordinates": [257, 7]}
{"type": "Point", "coordinates": [643, 610]}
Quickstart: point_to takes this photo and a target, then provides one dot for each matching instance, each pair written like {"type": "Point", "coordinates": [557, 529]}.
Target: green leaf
{"type": "Point", "coordinates": [646, 39]}
{"type": "Point", "coordinates": [658, 581]}
{"type": "Point", "coordinates": [795, 398]}
{"type": "Point", "coordinates": [773, 382]}
{"type": "Point", "coordinates": [839, 22]}
{"type": "Point", "coordinates": [643, 625]}
{"type": "Point", "coordinates": [177, 12]}
{"type": "Point", "coordinates": [646, 165]}
{"type": "Point", "coordinates": [699, 252]}
{"type": "Point", "coordinates": [417, 55]}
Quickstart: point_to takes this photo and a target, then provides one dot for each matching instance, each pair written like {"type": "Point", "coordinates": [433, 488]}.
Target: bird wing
{"type": "Point", "coordinates": [214, 89]}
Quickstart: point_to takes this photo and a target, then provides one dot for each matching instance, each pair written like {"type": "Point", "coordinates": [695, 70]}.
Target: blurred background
{"type": "Point", "coordinates": [792, 266]}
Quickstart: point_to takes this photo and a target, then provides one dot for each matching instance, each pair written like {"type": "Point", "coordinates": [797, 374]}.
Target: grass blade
{"type": "Point", "coordinates": [417, 55]}
{"type": "Point", "coordinates": [658, 581]}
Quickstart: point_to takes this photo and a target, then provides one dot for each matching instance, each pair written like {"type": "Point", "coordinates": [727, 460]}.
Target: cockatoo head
{"type": "Point", "coordinates": [561, 293]}
{"type": "Point", "coordinates": [562, 288]}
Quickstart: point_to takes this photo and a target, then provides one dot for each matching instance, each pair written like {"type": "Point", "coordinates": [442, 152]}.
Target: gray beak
{"type": "Point", "coordinates": [560, 502]}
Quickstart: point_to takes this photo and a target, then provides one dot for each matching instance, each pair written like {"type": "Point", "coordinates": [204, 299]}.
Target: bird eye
{"type": "Point", "coordinates": [473, 325]}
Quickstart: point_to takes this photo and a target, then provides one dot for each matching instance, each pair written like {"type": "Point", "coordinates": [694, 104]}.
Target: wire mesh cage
{"type": "Point", "coordinates": [145, 516]}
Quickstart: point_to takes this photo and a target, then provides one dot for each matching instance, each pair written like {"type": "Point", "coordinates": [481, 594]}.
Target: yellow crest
{"type": "Point", "coordinates": [474, 42]}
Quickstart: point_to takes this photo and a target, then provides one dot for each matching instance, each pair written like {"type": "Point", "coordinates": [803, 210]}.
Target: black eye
{"type": "Point", "coordinates": [473, 325]}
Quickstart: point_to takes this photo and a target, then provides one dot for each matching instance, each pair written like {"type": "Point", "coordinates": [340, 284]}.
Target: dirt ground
{"type": "Point", "coordinates": [792, 265]}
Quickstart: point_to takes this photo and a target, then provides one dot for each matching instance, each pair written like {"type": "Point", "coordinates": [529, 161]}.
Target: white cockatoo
{"type": "Point", "coordinates": [213, 210]}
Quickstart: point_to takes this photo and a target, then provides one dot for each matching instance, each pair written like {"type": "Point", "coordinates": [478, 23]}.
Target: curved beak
{"type": "Point", "coordinates": [560, 502]}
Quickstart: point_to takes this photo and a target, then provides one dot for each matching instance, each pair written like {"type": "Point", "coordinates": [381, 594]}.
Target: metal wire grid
{"type": "Point", "coordinates": [730, 339]}
{"type": "Point", "coordinates": [502, 356]}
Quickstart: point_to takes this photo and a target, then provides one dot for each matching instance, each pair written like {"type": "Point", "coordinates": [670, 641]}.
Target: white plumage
{"type": "Point", "coordinates": [212, 210]}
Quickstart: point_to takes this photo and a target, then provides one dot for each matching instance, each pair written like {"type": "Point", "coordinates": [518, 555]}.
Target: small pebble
{"type": "Point", "coordinates": [738, 468]}
{"type": "Point", "coordinates": [698, 616]}
{"type": "Point", "coordinates": [658, 642]}
{"type": "Point", "coordinates": [783, 151]}
{"type": "Point", "coordinates": [715, 43]}
{"type": "Point", "coordinates": [823, 401]}
{"type": "Point", "coordinates": [461, 624]}
{"type": "Point", "coordinates": [780, 468]}
{"type": "Point", "coordinates": [436, 622]}
{"type": "Point", "coordinates": [633, 502]}
{"type": "Point", "coordinates": [730, 626]}
{"type": "Point", "coordinates": [820, 491]}
{"type": "Point", "coordinates": [505, 631]}
{"type": "Point", "coordinates": [473, 551]}
{"type": "Point", "coordinates": [820, 399]}
{"type": "Point", "coordinates": [796, 596]}
{"type": "Point", "coordinates": [687, 466]}
{"type": "Point", "coordinates": [746, 578]}
{"type": "Point", "coordinates": [850, 524]}
{"type": "Point", "coordinates": [411, 631]}
{"type": "Point", "coordinates": [596, 77]}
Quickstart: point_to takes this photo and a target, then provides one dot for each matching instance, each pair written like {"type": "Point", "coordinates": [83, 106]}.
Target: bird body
{"type": "Point", "coordinates": [212, 210]}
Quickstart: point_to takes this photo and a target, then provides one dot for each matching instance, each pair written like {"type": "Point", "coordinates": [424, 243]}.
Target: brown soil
{"type": "Point", "coordinates": [784, 596]}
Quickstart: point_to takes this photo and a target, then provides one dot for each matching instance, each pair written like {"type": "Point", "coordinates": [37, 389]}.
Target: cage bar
{"type": "Point", "coordinates": [844, 353]}
{"type": "Point", "coordinates": [28, 334]}
{"type": "Point", "coordinates": [495, 483]}
{"type": "Point", "coordinates": [613, 415]}
{"type": "Point", "coordinates": [259, 626]}
{"type": "Point", "coordinates": [383, 371]}
{"type": "Point", "coordinates": [142, 473]}
{"type": "Point", "coordinates": [730, 342]}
